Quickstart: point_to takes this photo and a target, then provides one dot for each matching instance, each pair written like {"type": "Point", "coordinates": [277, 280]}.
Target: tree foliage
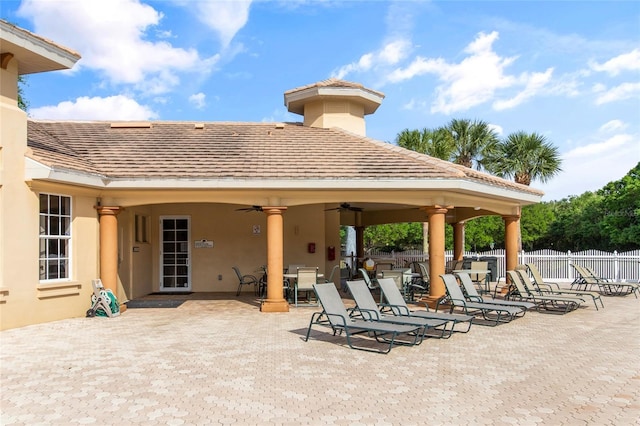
{"type": "Point", "coordinates": [23, 104]}
{"type": "Point", "coordinates": [524, 157]}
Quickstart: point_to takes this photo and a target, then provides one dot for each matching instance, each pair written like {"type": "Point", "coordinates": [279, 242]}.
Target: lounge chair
{"type": "Point", "coordinates": [554, 288]}
{"type": "Point", "coordinates": [551, 303]}
{"type": "Point", "coordinates": [493, 314]}
{"type": "Point", "coordinates": [398, 306]}
{"type": "Point", "coordinates": [372, 284]}
{"type": "Point", "coordinates": [334, 315]}
{"type": "Point", "coordinates": [368, 310]}
{"type": "Point", "coordinates": [336, 268]}
{"type": "Point", "coordinates": [587, 279]}
{"type": "Point", "coordinates": [473, 296]}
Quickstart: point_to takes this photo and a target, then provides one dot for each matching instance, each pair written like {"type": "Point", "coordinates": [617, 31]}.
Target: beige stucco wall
{"type": "Point", "coordinates": [340, 113]}
{"type": "Point", "coordinates": [26, 300]}
{"type": "Point", "coordinates": [235, 244]}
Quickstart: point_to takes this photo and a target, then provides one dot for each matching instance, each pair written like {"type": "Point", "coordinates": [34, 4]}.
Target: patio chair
{"type": "Point", "coordinates": [334, 315]}
{"type": "Point", "coordinates": [606, 286]}
{"type": "Point", "coordinates": [452, 265]}
{"type": "Point", "coordinates": [367, 309]}
{"type": "Point", "coordinates": [306, 277]}
{"type": "Point", "coordinates": [492, 314]}
{"type": "Point", "coordinates": [245, 280]}
{"type": "Point", "coordinates": [561, 304]}
{"type": "Point", "coordinates": [371, 283]}
{"type": "Point", "coordinates": [398, 306]}
{"type": "Point", "coordinates": [473, 296]}
{"type": "Point", "coordinates": [335, 269]}
{"type": "Point", "coordinates": [421, 285]}
{"type": "Point", "coordinates": [480, 279]}
{"type": "Point", "coordinates": [554, 288]}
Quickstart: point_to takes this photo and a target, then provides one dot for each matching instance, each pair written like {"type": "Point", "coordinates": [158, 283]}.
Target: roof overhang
{"type": "Point", "coordinates": [460, 188]}
{"type": "Point", "coordinates": [295, 101]}
{"type": "Point", "coordinates": [33, 53]}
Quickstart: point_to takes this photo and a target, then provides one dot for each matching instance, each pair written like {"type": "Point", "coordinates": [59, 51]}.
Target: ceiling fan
{"type": "Point", "coordinates": [346, 207]}
{"type": "Point", "coordinates": [250, 209]}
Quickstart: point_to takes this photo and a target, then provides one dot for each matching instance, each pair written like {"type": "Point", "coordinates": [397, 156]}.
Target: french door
{"type": "Point", "coordinates": [175, 253]}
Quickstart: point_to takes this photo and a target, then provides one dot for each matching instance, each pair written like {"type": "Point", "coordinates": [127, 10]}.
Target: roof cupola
{"type": "Point", "coordinates": [334, 103]}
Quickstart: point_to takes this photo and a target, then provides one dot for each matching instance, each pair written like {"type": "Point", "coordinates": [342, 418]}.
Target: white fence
{"type": "Point", "coordinates": [554, 265]}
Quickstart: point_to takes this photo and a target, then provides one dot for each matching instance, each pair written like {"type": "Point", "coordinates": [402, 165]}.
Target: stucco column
{"type": "Point", "coordinates": [511, 235]}
{"type": "Point", "coordinates": [436, 253]}
{"type": "Point", "coordinates": [275, 301]}
{"type": "Point", "coordinates": [109, 246]}
{"type": "Point", "coordinates": [458, 240]}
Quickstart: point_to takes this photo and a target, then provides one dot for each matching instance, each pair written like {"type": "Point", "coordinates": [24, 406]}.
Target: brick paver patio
{"type": "Point", "coordinates": [224, 362]}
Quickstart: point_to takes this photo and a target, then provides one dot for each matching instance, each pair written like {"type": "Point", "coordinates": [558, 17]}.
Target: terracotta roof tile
{"type": "Point", "coordinates": [234, 150]}
{"type": "Point", "coordinates": [334, 82]}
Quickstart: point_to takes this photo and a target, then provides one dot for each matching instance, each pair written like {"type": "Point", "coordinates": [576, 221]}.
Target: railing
{"type": "Point", "coordinates": [553, 264]}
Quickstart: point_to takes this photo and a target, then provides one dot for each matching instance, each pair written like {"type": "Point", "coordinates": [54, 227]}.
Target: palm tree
{"type": "Point", "coordinates": [525, 157]}
{"type": "Point", "coordinates": [472, 142]}
{"type": "Point", "coordinates": [433, 142]}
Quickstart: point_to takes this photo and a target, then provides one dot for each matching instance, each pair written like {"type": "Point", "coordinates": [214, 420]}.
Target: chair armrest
{"type": "Point", "coordinates": [396, 309]}
{"type": "Point", "coordinates": [369, 314]}
{"type": "Point", "coordinates": [341, 319]}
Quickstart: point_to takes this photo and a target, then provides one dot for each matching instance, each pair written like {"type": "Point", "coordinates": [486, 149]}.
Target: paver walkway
{"type": "Point", "coordinates": [224, 362]}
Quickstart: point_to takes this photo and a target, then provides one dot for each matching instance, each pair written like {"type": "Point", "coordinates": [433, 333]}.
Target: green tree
{"type": "Point", "coordinates": [393, 236]}
{"type": "Point", "coordinates": [480, 233]}
{"type": "Point", "coordinates": [23, 104]}
{"type": "Point", "coordinates": [472, 141]}
{"type": "Point", "coordinates": [621, 209]}
{"type": "Point", "coordinates": [524, 157]}
{"type": "Point", "coordinates": [433, 142]}
{"type": "Point", "coordinates": [577, 224]}
{"type": "Point", "coordinates": [535, 221]}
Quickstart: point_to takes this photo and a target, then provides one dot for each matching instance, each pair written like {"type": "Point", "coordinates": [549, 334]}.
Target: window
{"type": "Point", "coordinates": [55, 237]}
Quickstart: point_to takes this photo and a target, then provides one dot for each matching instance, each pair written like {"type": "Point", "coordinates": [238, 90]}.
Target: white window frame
{"type": "Point", "coordinates": [54, 234]}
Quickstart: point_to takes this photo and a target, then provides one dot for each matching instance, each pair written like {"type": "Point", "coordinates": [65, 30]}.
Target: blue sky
{"type": "Point", "coordinates": [569, 70]}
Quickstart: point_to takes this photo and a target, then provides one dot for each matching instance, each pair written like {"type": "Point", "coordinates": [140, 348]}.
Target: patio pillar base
{"type": "Point", "coordinates": [274, 306]}
{"type": "Point", "coordinates": [431, 301]}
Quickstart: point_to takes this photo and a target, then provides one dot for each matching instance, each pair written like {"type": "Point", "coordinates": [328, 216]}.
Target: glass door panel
{"type": "Point", "coordinates": [175, 270]}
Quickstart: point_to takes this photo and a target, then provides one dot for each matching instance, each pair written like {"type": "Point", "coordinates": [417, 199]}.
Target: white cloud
{"type": "Point", "coordinates": [590, 167]}
{"type": "Point", "coordinates": [84, 108]}
{"type": "Point", "coordinates": [389, 54]}
{"type": "Point", "coordinates": [612, 126]}
{"type": "Point", "coordinates": [225, 17]}
{"type": "Point", "coordinates": [618, 93]}
{"type": "Point", "coordinates": [112, 37]}
{"type": "Point", "coordinates": [198, 100]}
{"type": "Point", "coordinates": [625, 62]}
{"type": "Point", "coordinates": [534, 82]}
{"type": "Point", "coordinates": [496, 128]}
{"type": "Point", "coordinates": [477, 79]}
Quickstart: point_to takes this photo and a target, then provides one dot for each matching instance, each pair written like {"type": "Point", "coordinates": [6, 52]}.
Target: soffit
{"type": "Point", "coordinates": [34, 53]}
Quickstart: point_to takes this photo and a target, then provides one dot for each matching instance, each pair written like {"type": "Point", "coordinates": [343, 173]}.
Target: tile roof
{"type": "Point", "coordinates": [234, 151]}
{"type": "Point", "coordinates": [334, 82]}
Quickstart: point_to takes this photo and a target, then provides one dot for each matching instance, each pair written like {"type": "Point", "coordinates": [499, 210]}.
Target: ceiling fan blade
{"type": "Point", "coordinates": [250, 209]}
